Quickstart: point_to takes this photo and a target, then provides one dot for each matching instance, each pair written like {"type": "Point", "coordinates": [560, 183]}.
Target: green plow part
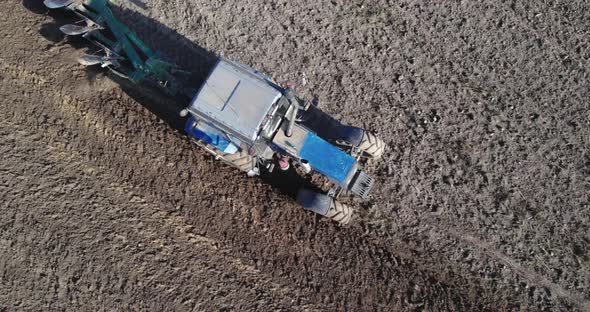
{"type": "Point", "coordinates": [146, 64]}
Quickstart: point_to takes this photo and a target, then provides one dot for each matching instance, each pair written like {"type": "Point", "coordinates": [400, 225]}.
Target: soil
{"type": "Point", "coordinates": [482, 199]}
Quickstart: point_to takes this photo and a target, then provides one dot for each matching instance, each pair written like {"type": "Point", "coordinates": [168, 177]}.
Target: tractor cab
{"type": "Point", "coordinates": [236, 101]}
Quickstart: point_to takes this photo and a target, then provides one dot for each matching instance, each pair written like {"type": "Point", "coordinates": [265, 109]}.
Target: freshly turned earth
{"type": "Point", "coordinates": [481, 202]}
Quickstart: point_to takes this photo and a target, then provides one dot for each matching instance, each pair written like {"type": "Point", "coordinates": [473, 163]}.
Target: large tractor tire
{"type": "Point", "coordinates": [324, 205]}
{"type": "Point", "coordinates": [371, 146]}
{"type": "Point", "coordinates": [241, 160]}
{"type": "Point", "coordinates": [340, 212]}
{"type": "Point", "coordinates": [346, 137]}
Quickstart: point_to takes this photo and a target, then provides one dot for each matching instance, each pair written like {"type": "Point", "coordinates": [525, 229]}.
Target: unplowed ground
{"type": "Point", "coordinates": [481, 203]}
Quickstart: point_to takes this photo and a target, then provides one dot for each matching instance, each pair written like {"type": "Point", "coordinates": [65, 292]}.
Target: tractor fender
{"type": "Point", "coordinates": [211, 136]}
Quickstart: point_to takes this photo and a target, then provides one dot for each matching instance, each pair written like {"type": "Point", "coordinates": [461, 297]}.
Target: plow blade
{"type": "Point", "coordinates": [56, 4]}
{"type": "Point", "coordinates": [75, 30]}
{"type": "Point", "coordinates": [91, 60]}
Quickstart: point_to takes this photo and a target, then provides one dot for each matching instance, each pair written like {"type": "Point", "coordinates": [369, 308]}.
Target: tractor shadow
{"type": "Point", "coordinates": [175, 47]}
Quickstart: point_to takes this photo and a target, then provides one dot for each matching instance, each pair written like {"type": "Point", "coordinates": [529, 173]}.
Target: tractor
{"type": "Point", "coordinates": [239, 115]}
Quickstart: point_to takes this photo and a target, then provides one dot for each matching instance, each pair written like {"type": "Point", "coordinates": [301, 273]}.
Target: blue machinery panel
{"type": "Point", "coordinates": [219, 142]}
{"type": "Point", "coordinates": [326, 158]}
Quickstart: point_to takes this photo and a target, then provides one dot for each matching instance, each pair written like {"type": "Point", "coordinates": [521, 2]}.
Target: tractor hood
{"type": "Point", "coordinates": [325, 158]}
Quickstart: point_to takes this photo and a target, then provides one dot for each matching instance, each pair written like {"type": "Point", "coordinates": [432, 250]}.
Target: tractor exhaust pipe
{"type": "Point", "coordinates": [295, 109]}
{"type": "Point", "coordinates": [294, 112]}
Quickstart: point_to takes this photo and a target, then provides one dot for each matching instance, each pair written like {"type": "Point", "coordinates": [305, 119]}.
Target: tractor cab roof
{"type": "Point", "coordinates": [236, 100]}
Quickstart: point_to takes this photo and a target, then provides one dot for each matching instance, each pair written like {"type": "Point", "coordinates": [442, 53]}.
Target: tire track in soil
{"type": "Point", "coordinates": [211, 255]}
{"type": "Point", "coordinates": [525, 15]}
{"type": "Point", "coordinates": [534, 278]}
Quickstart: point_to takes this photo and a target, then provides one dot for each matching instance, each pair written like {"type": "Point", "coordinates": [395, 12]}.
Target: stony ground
{"type": "Point", "coordinates": [482, 200]}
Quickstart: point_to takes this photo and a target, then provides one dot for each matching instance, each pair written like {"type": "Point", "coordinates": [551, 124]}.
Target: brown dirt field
{"type": "Point", "coordinates": [482, 202]}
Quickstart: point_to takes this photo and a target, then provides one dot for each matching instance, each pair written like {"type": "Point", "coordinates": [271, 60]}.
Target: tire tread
{"type": "Point", "coordinates": [340, 213]}
{"type": "Point", "coordinates": [372, 146]}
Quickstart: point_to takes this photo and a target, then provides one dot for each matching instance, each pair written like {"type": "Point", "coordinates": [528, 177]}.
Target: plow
{"type": "Point", "coordinates": [239, 115]}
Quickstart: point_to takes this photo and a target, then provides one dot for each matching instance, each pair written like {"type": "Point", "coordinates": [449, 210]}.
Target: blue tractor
{"type": "Point", "coordinates": [240, 115]}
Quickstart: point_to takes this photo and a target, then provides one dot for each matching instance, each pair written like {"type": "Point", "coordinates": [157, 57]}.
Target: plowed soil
{"type": "Point", "coordinates": [482, 199]}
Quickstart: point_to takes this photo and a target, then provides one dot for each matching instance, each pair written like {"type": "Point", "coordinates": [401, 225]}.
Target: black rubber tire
{"type": "Point", "coordinates": [372, 146]}
{"type": "Point", "coordinates": [340, 212]}
{"type": "Point", "coordinates": [241, 160]}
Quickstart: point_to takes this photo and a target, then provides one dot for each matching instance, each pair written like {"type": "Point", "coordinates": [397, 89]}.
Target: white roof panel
{"type": "Point", "coordinates": [237, 100]}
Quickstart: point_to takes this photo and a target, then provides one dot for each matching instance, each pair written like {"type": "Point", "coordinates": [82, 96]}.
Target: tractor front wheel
{"type": "Point", "coordinates": [371, 146]}
{"type": "Point", "coordinates": [324, 205]}
{"type": "Point", "coordinates": [340, 212]}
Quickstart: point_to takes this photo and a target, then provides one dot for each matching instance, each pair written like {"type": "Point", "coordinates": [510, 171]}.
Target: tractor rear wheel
{"type": "Point", "coordinates": [241, 160]}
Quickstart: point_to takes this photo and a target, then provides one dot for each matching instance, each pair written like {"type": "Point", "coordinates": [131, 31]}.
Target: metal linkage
{"type": "Point", "coordinates": [126, 54]}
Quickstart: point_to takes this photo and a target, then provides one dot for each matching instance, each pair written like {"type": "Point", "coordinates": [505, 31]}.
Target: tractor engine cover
{"type": "Point", "coordinates": [322, 156]}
